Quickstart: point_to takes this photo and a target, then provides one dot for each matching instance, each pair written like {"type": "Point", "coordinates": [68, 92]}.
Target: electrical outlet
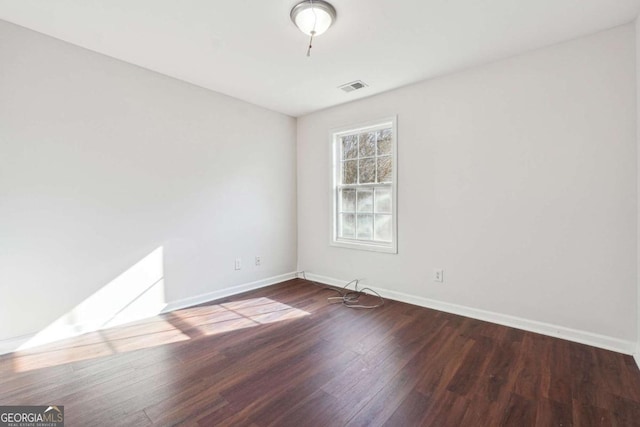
{"type": "Point", "coordinates": [238, 264]}
{"type": "Point", "coordinates": [258, 261]}
{"type": "Point", "coordinates": [438, 275]}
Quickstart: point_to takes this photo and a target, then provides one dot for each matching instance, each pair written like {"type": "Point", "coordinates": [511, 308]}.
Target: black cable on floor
{"type": "Point", "coordinates": [350, 298]}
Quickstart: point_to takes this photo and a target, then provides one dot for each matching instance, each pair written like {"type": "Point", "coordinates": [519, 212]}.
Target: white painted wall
{"type": "Point", "coordinates": [102, 162]}
{"type": "Point", "coordinates": [518, 178]}
{"type": "Point", "coordinates": [637, 56]}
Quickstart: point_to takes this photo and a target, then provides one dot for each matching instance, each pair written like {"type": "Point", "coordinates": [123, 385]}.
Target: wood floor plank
{"type": "Point", "coordinates": [284, 355]}
{"type": "Point", "coordinates": [448, 409]}
{"type": "Point", "coordinates": [589, 415]}
{"type": "Point", "coordinates": [362, 380]}
{"type": "Point", "coordinates": [528, 367]}
{"type": "Point", "coordinates": [552, 413]}
{"type": "Point", "coordinates": [384, 404]}
{"type": "Point", "coordinates": [519, 412]}
{"type": "Point", "coordinates": [319, 409]}
{"type": "Point", "coordinates": [412, 410]}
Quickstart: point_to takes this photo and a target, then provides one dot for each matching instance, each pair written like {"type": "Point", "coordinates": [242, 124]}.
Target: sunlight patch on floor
{"type": "Point", "coordinates": [174, 327]}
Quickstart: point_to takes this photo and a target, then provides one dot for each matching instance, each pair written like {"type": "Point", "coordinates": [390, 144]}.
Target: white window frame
{"type": "Point", "coordinates": [335, 135]}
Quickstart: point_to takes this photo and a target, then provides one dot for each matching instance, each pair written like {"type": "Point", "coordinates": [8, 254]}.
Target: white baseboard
{"type": "Point", "coordinates": [583, 337]}
{"type": "Point", "coordinates": [10, 345]}
{"type": "Point", "coordinates": [602, 341]}
{"type": "Point", "coordinates": [636, 355]}
{"type": "Point", "coordinates": [222, 293]}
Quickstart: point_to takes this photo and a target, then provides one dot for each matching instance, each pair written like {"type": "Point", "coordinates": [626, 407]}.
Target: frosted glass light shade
{"type": "Point", "coordinates": [314, 15]}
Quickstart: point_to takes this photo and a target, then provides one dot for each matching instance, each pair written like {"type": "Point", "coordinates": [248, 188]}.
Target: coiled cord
{"type": "Point", "coordinates": [350, 298]}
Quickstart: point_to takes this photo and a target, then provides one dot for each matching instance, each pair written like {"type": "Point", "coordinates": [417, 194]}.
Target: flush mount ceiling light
{"type": "Point", "coordinates": [313, 17]}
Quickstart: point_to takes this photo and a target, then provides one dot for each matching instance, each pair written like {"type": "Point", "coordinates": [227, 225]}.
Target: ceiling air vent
{"type": "Point", "coordinates": [350, 87]}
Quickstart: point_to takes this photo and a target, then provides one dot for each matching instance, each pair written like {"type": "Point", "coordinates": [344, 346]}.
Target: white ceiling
{"type": "Point", "coordinates": [249, 49]}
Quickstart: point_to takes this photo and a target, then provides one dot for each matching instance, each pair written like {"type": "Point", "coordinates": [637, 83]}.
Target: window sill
{"type": "Point", "coordinates": [372, 247]}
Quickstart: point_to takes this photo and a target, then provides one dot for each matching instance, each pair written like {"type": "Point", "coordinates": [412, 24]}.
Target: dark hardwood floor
{"type": "Point", "coordinates": [283, 356]}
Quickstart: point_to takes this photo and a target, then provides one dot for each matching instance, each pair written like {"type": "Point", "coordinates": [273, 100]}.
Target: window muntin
{"type": "Point", "coordinates": [364, 187]}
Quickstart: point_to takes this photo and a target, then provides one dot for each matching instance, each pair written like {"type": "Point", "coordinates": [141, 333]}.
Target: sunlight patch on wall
{"type": "Point", "coordinates": [136, 294]}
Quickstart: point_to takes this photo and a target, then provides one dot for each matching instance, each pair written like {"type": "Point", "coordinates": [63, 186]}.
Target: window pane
{"type": "Point", "coordinates": [349, 172]}
{"type": "Point", "coordinates": [348, 201]}
{"type": "Point", "coordinates": [347, 225]}
{"type": "Point", "coordinates": [383, 228]}
{"type": "Point", "coordinates": [384, 142]}
{"type": "Point", "coordinates": [383, 200]}
{"type": "Point", "coordinates": [367, 169]}
{"type": "Point", "coordinates": [365, 226]}
{"type": "Point", "coordinates": [365, 201]}
{"type": "Point", "coordinates": [349, 147]}
{"type": "Point", "coordinates": [364, 190]}
{"type": "Point", "coordinates": [384, 169]}
{"type": "Point", "coordinates": [367, 146]}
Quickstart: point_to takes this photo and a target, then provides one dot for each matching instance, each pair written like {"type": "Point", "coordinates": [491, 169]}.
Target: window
{"type": "Point", "coordinates": [364, 187]}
